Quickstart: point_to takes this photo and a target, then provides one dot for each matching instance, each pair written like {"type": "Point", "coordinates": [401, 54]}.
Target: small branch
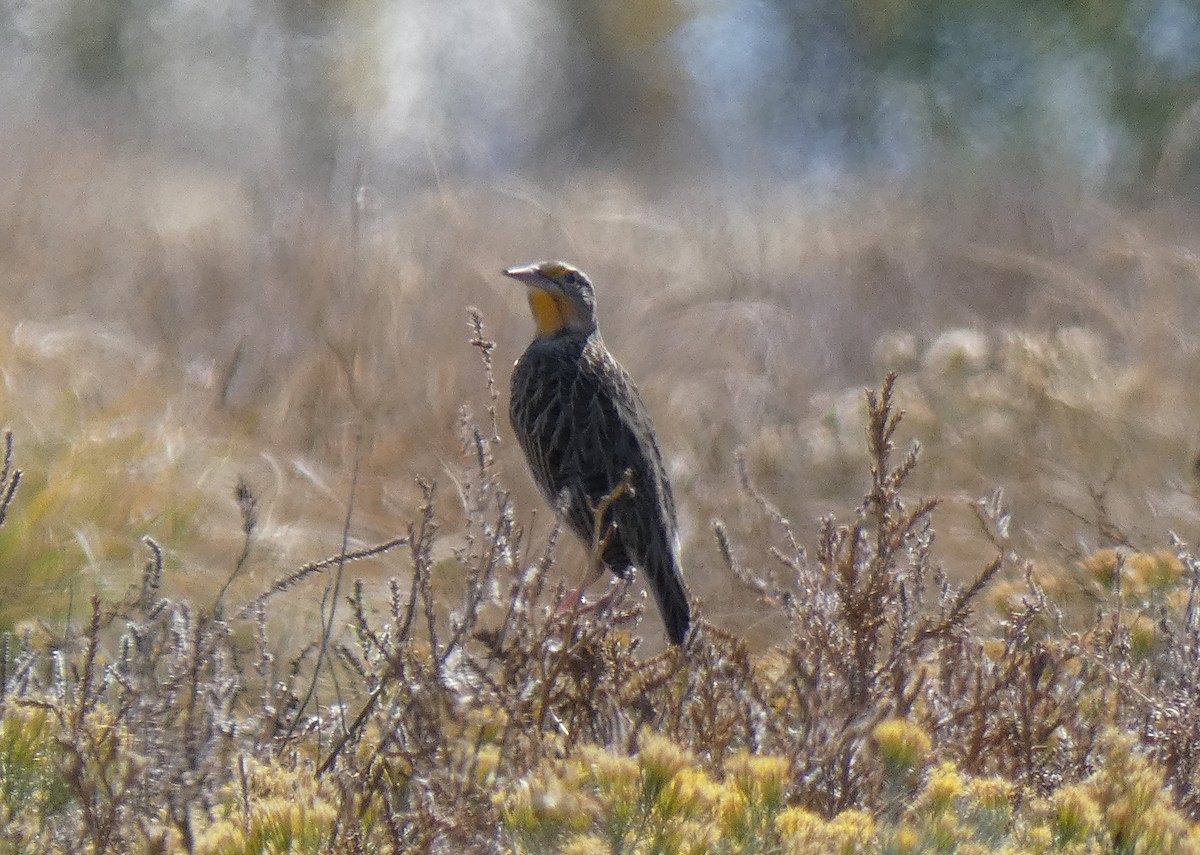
{"type": "Point", "coordinates": [248, 505]}
{"type": "Point", "coordinates": [332, 593]}
{"type": "Point", "coordinates": [292, 579]}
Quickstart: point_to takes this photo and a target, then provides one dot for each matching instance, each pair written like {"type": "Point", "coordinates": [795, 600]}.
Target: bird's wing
{"type": "Point", "coordinates": [582, 424]}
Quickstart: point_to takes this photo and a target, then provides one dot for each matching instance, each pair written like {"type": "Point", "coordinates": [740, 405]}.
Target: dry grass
{"type": "Point", "coordinates": [344, 634]}
{"type": "Point", "coordinates": [172, 331]}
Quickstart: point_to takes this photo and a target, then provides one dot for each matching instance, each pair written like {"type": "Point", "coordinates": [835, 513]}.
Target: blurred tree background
{"type": "Point", "coordinates": [810, 89]}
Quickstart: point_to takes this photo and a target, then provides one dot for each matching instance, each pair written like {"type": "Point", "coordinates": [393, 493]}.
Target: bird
{"type": "Point", "coordinates": [586, 431]}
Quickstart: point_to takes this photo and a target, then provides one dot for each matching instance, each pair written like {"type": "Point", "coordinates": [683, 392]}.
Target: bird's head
{"type": "Point", "coordinates": [560, 297]}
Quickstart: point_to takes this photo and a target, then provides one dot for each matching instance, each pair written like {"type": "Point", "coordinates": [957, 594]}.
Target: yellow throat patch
{"type": "Point", "coordinates": [548, 311]}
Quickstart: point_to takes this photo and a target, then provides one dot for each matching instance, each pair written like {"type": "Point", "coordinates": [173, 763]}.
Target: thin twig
{"type": "Point", "coordinates": [332, 593]}
{"type": "Point", "coordinates": [248, 506]}
{"type": "Point", "coordinates": [292, 579]}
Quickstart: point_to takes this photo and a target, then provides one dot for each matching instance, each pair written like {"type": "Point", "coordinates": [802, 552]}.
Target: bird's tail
{"type": "Point", "coordinates": [665, 579]}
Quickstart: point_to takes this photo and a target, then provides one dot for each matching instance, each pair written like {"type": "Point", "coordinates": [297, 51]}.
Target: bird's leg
{"type": "Point", "coordinates": [602, 536]}
{"type": "Point", "coordinates": [574, 600]}
{"type": "Point", "coordinates": [616, 590]}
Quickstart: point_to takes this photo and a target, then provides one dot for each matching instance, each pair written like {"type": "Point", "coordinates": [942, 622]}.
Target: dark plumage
{"type": "Point", "coordinates": [582, 424]}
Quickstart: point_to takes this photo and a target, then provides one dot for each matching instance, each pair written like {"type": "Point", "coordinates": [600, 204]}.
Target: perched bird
{"type": "Point", "coordinates": [583, 427]}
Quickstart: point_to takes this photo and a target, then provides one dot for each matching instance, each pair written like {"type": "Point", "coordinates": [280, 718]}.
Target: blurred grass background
{"type": "Point", "coordinates": [235, 239]}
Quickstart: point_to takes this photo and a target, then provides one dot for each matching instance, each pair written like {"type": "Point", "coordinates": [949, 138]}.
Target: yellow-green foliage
{"type": "Point", "coordinates": [31, 787]}
{"type": "Point", "coordinates": [660, 801]}
{"type": "Point", "coordinates": [901, 744]}
{"type": "Point", "coordinates": [1141, 573]}
{"type": "Point", "coordinates": [271, 811]}
{"type": "Point", "coordinates": [1123, 807]}
{"type": "Point", "coordinates": [954, 813]}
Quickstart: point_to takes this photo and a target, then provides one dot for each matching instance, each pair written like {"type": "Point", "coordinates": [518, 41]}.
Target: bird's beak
{"type": "Point", "coordinates": [526, 273]}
